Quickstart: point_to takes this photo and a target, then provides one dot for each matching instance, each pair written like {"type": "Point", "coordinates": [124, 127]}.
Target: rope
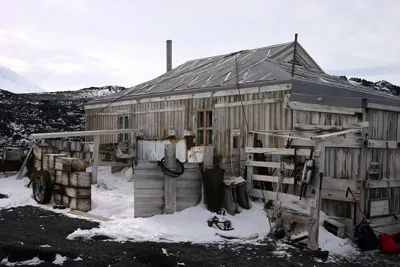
{"type": "Point", "coordinates": [240, 96]}
{"type": "Point", "coordinates": [171, 172]}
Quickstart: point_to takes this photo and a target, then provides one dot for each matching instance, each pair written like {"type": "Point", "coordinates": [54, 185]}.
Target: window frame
{"type": "Point", "coordinates": [123, 137]}
{"type": "Point", "coordinates": [204, 128]}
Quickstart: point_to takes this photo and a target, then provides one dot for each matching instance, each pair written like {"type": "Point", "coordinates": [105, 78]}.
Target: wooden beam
{"type": "Point", "coordinates": [328, 128]}
{"type": "Point", "coordinates": [246, 103]}
{"type": "Point", "coordinates": [323, 108]}
{"type": "Point", "coordinates": [364, 195]}
{"type": "Point", "coordinates": [272, 179]}
{"type": "Point", "coordinates": [383, 107]}
{"type": "Point", "coordinates": [95, 165]}
{"type": "Point", "coordinates": [338, 195]}
{"type": "Point", "coordinates": [385, 183]}
{"type": "Point", "coordinates": [228, 92]}
{"type": "Point", "coordinates": [383, 144]}
{"type": "Point", "coordinates": [278, 151]}
{"type": "Point", "coordinates": [250, 157]}
{"type": "Point", "coordinates": [275, 165]}
{"type": "Point", "coordinates": [158, 110]}
{"type": "Point", "coordinates": [21, 170]}
{"type": "Point", "coordinates": [330, 135]}
{"type": "Point", "coordinates": [313, 232]}
{"type": "Point", "coordinates": [80, 133]}
{"type": "Point", "coordinates": [339, 184]}
{"type": "Point", "coordinates": [285, 198]}
{"type": "Point", "coordinates": [170, 182]}
{"type": "Point", "coordinates": [333, 142]}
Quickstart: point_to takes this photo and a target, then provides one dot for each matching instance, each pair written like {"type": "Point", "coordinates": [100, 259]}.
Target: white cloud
{"type": "Point", "coordinates": [124, 42]}
{"type": "Point", "coordinates": [14, 64]}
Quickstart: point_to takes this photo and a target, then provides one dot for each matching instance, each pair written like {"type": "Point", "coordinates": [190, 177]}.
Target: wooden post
{"type": "Point", "coordinates": [363, 164]}
{"type": "Point", "coordinates": [313, 233]}
{"type": "Point", "coordinates": [95, 164]}
{"type": "Point", "coordinates": [170, 182]}
{"type": "Point", "coordinates": [250, 156]}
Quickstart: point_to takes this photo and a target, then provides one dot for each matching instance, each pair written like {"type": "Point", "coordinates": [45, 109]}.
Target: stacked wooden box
{"type": "Point", "coordinates": [75, 149]}
{"type": "Point", "coordinates": [73, 184]}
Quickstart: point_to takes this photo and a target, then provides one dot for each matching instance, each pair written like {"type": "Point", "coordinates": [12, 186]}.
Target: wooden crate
{"type": "Point", "coordinates": [52, 160]}
{"type": "Point", "coordinates": [80, 204]}
{"type": "Point", "coordinates": [65, 201]}
{"type": "Point", "coordinates": [70, 164]}
{"type": "Point", "coordinates": [58, 198]}
{"type": "Point", "coordinates": [76, 146]}
{"type": "Point", "coordinates": [65, 178]}
{"type": "Point", "coordinates": [78, 192]}
{"type": "Point", "coordinates": [59, 177]}
{"type": "Point", "coordinates": [80, 179]}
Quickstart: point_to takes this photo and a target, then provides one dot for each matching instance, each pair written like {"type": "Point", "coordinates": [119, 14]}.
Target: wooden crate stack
{"type": "Point", "coordinates": [72, 183]}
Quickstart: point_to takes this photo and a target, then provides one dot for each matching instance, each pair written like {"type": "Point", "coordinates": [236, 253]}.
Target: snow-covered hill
{"type": "Point", "coordinates": [13, 82]}
{"type": "Point", "coordinates": [383, 86]}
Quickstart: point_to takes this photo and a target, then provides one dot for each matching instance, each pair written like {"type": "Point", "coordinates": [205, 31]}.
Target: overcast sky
{"type": "Point", "coordinates": [71, 44]}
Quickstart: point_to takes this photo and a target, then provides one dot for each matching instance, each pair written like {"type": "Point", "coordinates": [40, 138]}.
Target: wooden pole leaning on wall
{"type": "Point", "coordinates": [170, 182]}
{"type": "Point", "coordinates": [363, 163]}
{"type": "Point", "coordinates": [250, 157]}
{"type": "Point", "coordinates": [95, 164]}
{"type": "Point", "coordinates": [319, 156]}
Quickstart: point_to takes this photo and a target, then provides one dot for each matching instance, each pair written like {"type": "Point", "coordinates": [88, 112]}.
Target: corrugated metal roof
{"type": "Point", "coordinates": [252, 66]}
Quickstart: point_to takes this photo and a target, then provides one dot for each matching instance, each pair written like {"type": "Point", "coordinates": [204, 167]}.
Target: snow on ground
{"type": "Point", "coordinates": [34, 261]}
{"type": "Point", "coordinates": [113, 198]}
{"type": "Point", "coordinates": [18, 194]}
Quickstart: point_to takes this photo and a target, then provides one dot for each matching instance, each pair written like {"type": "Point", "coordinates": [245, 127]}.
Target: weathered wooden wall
{"type": "Point", "coordinates": [263, 108]}
{"type": "Point", "coordinates": [105, 119]}
{"type": "Point", "coordinates": [385, 126]}
{"type": "Point", "coordinates": [149, 189]}
{"type": "Point", "coordinates": [343, 155]}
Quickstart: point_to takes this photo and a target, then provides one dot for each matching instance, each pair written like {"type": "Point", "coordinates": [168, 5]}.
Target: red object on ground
{"type": "Point", "coordinates": [387, 244]}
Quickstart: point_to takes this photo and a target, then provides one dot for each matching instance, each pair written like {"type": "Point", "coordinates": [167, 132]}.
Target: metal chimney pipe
{"type": "Point", "coordinates": [294, 53]}
{"type": "Point", "coordinates": [169, 55]}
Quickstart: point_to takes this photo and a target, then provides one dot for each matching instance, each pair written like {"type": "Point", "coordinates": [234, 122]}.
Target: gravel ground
{"type": "Point", "coordinates": [28, 232]}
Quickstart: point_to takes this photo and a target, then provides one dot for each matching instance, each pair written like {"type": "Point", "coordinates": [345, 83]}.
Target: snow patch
{"type": "Point", "coordinates": [31, 262]}
{"type": "Point", "coordinates": [59, 260]}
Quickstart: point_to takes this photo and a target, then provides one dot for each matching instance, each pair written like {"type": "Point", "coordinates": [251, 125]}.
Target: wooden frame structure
{"type": "Point", "coordinates": [95, 133]}
{"type": "Point", "coordinates": [313, 203]}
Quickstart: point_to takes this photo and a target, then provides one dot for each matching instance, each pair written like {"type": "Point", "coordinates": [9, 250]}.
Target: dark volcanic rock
{"type": "Point", "coordinates": [24, 114]}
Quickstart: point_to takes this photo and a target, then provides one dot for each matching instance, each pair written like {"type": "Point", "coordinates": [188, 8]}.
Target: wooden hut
{"type": "Point", "coordinates": [273, 92]}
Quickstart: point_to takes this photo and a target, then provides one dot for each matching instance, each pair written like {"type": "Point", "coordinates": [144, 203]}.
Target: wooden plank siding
{"type": "Point", "coordinates": [182, 116]}
{"type": "Point", "coordinates": [344, 162]}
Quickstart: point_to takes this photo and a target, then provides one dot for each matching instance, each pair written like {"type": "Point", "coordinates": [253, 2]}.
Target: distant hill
{"type": "Point", "coordinates": [24, 114]}
{"type": "Point", "coordinates": [15, 83]}
{"type": "Point", "coordinates": [383, 86]}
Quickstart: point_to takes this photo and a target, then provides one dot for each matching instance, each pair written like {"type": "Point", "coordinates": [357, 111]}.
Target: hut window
{"type": "Point", "coordinates": [204, 127]}
{"type": "Point", "coordinates": [123, 123]}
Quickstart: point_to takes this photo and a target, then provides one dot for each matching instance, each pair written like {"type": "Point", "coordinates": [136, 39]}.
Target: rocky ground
{"type": "Point", "coordinates": [28, 232]}
{"type": "Point", "coordinates": [24, 114]}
